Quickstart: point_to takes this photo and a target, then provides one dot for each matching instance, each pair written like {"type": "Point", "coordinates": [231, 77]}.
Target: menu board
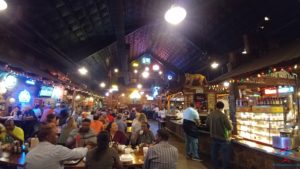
{"type": "Point", "coordinates": [211, 101]}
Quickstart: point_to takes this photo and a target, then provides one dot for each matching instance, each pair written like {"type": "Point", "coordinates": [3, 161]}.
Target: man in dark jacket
{"type": "Point", "coordinates": [220, 128]}
{"type": "Point", "coordinates": [190, 123]}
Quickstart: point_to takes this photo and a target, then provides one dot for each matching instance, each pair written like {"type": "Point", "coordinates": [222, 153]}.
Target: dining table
{"type": "Point", "coordinates": [18, 160]}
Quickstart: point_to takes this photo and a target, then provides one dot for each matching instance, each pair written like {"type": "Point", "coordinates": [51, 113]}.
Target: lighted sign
{"type": "Point", "coordinates": [46, 91]}
{"type": "Point", "coordinates": [58, 92]}
{"type": "Point", "coordinates": [10, 81]}
{"type": "Point", "coordinates": [146, 60]}
{"type": "Point", "coordinates": [30, 82]}
{"type": "Point", "coordinates": [24, 96]}
{"type": "Point", "coordinates": [270, 91]}
{"type": "Point", "coordinates": [285, 89]}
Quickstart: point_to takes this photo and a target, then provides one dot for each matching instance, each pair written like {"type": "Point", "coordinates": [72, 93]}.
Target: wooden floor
{"type": "Point", "coordinates": [183, 163]}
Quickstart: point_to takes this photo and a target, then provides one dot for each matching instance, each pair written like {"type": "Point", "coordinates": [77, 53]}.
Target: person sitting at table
{"type": "Point", "coordinates": [16, 112]}
{"type": "Point", "coordinates": [82, 136]}
{"type": "Point", "coordinates": [12, 132]}
{"type": "Point", "coordinates": [48, 155]}
{"type": "Point", "coordinates": [66, 130]}
{"type": "Point", "coordinates": [103, 157]}
{"type": "Point", "coordinates": [145, 135]}
{"type": "Point", "coordinates": [162, 155]}
{"type": "Point", "coordinates": [122, 126]}
{"type": "Point", "coordinates": [137, 126]}
{"type": "Point", "coordinates": [116, 135]}
{"type": "Point", "coordinates": [96, 124]}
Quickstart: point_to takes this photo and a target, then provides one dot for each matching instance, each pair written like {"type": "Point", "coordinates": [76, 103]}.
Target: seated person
{"type": "Point", "coordinates": [116, 135]}
{"type": "Point", "coordinates": [83, 136]}
{"type": "Point", "coordinates": [145, 135]}
{"type": "Point", "coordinates": [96, 124]}
{"type": "Point", "coordinates": [13, 132]}
{"type": "Point", "coordinates": [162, 155]}
{"type": "Point", "coordinates": [102, 156]}
{"type": "Point", "coordinates": [66, 130]}
{"type": "Point", "coordinates": [48, 155]}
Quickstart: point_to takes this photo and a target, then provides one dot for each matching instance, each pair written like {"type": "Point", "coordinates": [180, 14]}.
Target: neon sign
{"type": "Point", "coordinates": [10, 81]}
{"type": "Point", "coordinates": [271, 91]}
{"type": "Point", "coordinates": [24, 96]}
{"type": "Point", "coordinates": [286, 89]}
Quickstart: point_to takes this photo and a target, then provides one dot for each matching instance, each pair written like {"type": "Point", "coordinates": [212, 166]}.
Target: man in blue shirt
{"type": "Point", "coordinates": [190, 122]}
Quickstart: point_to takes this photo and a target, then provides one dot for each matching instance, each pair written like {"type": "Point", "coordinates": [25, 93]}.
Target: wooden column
{"type": "Point", "coordinates": [233, 95]}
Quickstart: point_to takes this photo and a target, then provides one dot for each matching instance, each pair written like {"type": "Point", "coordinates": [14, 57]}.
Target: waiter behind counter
{"type": "Point", "coordinates": [219, 127]}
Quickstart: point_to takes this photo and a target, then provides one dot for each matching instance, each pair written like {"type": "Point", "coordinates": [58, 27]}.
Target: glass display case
{"type": "Point", "coordinates": [260, 123]}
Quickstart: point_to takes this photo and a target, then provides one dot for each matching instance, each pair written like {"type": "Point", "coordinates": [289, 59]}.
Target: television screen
{"type": "Point", "coordinates": [46, 91]}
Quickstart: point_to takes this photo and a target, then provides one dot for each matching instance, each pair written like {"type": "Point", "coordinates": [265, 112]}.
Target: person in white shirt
{"type": "Point", "coordinates": [48, 155]}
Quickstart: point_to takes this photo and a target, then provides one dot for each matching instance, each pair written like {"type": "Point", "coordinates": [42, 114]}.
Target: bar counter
{"type": "Point", "coordinates": [245, 154]}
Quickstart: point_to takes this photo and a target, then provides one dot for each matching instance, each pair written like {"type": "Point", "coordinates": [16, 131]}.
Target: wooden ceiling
{"type": "Point", "coordinates": [71, 33]}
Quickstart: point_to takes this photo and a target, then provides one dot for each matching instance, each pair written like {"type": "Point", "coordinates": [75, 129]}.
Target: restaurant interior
{"type": "Point", "coordinates": [103, 61]}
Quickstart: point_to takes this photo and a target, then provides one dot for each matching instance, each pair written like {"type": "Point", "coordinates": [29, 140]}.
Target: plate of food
{"type": "Point", "coordinates": [126, 158]}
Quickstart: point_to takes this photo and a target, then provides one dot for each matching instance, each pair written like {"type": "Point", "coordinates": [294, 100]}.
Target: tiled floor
{"type": "Point", "coordinates": [183, 163]}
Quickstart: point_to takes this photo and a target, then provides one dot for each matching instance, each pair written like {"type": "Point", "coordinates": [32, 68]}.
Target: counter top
{"type": "Point", "coordinates": [289, 154]}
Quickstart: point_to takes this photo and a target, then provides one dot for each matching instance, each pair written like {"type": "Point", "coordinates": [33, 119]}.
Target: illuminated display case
{"type": "Point", "coordinates": [260, 123]}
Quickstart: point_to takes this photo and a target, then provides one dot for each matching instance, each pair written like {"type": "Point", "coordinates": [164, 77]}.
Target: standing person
{"type": "Point", "coordinates": [47, 110]}
{"type": "Point", "coordinates": [122, 126]}
{"type": "Point", "coordinates": [31, 122]}
{"type": "Point", "coordinates": [162, 155]}
{"type": "Point", "coordinates": [16, 112]}
{"type": "Point", "coordinates": [47, 154]}
{"type": "Point", "coordinates": [37, 111]}
{"type": "Point", "coordinates": [190, 122]}
{"type": "Point", "coordinates": [103, 157]}
{"type": "Point", "coordinates": [66, 130]}
{"type": "Point", "coordinates": [220, 127]}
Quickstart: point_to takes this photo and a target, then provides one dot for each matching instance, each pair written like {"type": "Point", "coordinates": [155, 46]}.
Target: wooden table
{"type": "Point", "coordinates": [19, 160]}
{"type": "Point", "coordinates": [138, 161]}
{"type": "Point", "coordinates": [9, 159]}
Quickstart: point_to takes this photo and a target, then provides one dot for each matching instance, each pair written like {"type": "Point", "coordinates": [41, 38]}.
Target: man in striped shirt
{"type": "Point", "coordinates": [162, 155]}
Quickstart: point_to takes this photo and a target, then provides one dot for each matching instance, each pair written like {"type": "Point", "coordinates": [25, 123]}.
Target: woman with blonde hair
{"type": "Point", "coordinates": [66, 129]}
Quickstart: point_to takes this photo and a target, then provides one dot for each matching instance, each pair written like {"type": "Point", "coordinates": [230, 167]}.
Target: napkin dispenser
{"type": "Point", "coordinates": [286, 143]}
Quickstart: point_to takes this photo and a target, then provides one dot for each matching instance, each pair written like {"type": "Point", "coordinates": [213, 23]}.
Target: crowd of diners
{"type": "Point", "coordinates": [65, 136]}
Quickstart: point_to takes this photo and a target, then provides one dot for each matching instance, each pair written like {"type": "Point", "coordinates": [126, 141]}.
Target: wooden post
{"type": "Point", "coordinates": [233, 95]}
